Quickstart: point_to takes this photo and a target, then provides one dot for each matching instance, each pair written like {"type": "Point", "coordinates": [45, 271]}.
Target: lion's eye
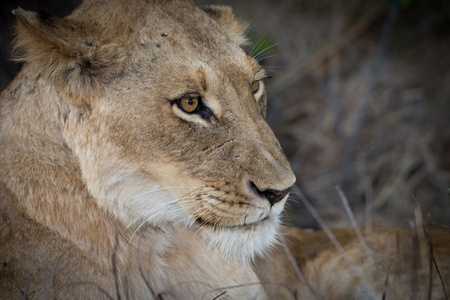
{"type": "Point", "coordinates": [189, 104]}
{"type": "Point", "coordinates": [255, 87]}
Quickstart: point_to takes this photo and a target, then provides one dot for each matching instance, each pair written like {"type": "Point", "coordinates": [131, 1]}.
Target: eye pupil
{"type": "Point", "coordinates": [189, 105]}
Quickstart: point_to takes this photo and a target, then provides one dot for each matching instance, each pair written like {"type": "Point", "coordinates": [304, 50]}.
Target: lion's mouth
{"type": "Point", "coordinates": [244, 225]}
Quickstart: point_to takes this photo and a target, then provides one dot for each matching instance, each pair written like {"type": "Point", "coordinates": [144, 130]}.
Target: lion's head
{"type": "Point", "coordinates": [165, 113]}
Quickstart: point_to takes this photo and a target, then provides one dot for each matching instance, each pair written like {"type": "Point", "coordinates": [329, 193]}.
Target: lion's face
{"type": "Point", "coordinates": [178, 135]}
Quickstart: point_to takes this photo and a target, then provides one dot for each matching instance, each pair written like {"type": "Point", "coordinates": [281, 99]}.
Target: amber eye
{"type": "Point", "coordinates": [255, 86]}
{"type": "Point", "coordinates": [189, 104]}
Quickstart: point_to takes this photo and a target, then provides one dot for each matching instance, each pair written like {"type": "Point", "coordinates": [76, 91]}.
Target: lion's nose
{"type": "Point", "coordinates": [273, 196]}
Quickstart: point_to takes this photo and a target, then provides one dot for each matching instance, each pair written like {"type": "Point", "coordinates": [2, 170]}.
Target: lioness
{"type": "Point", "coordinates": [136, 162]}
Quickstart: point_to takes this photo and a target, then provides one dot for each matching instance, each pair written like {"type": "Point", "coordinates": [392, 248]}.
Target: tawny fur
{"type": "Point", "coordinates": [108, 188]}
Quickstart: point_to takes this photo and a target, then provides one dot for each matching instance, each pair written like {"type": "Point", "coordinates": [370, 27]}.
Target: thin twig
{"type": "Point", "coordinates": [350, 215]}
{"type": "Point", "coordinates": [322, 224]}
{"type": "Point", "coordinates": [368, 190]}
{"type": "Point", "coordinates": [385, 285]}
{"type": "Point", "coordinates": [433, 259]}
{"type": "Point", "coordinates": [114, 267]}
{"type": "Point", "coordinates": [140, 267]}
{"type": "Point", "coordinates": [288, 287]}
{"type": "Point", "coordinates": [220, 295]}
{"type": "Point", "coordinates": [25, 294]}
{"type": "Point", "coordinates": [297, 270]}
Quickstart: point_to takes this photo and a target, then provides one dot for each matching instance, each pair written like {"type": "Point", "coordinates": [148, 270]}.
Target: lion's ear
{"type": "Point", "coordinates": [224, 16]}
{"type": "Point", "coordinates": [65, 52]}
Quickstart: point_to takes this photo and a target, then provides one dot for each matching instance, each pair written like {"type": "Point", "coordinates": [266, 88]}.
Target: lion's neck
{"type": "Point", "coordinates": [41, 170]}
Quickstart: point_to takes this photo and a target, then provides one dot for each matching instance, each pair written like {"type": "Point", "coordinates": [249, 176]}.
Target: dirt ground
{"type": "Point", "coordinates": [359, 99]}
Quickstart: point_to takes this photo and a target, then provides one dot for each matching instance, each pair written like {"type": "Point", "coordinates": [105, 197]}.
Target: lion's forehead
{"type": "Point", "coordinates": [170, 39]}
{"type": "Point", "coordinates": [177, 54]}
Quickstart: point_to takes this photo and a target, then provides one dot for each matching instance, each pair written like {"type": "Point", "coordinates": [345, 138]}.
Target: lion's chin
{"type": "Point", "coordinates": [245, 241]}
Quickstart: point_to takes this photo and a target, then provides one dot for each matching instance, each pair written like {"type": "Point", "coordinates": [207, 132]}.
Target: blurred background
{"type": "Point", "coordinates": [359, 99]}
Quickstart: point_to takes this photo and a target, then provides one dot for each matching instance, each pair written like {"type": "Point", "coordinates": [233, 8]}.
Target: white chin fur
{"type": "Point", "coordinates": [242, 243]}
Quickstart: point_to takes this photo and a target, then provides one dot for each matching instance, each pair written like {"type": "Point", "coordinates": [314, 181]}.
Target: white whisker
{"type": "Point", "coordinates": [259, 56]}
{"type": "Point", "coordinates": [257, 45]}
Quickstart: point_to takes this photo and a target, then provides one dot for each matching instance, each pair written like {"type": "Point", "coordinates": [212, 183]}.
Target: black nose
{"type": "Point", "coordinates": [273, 196]}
